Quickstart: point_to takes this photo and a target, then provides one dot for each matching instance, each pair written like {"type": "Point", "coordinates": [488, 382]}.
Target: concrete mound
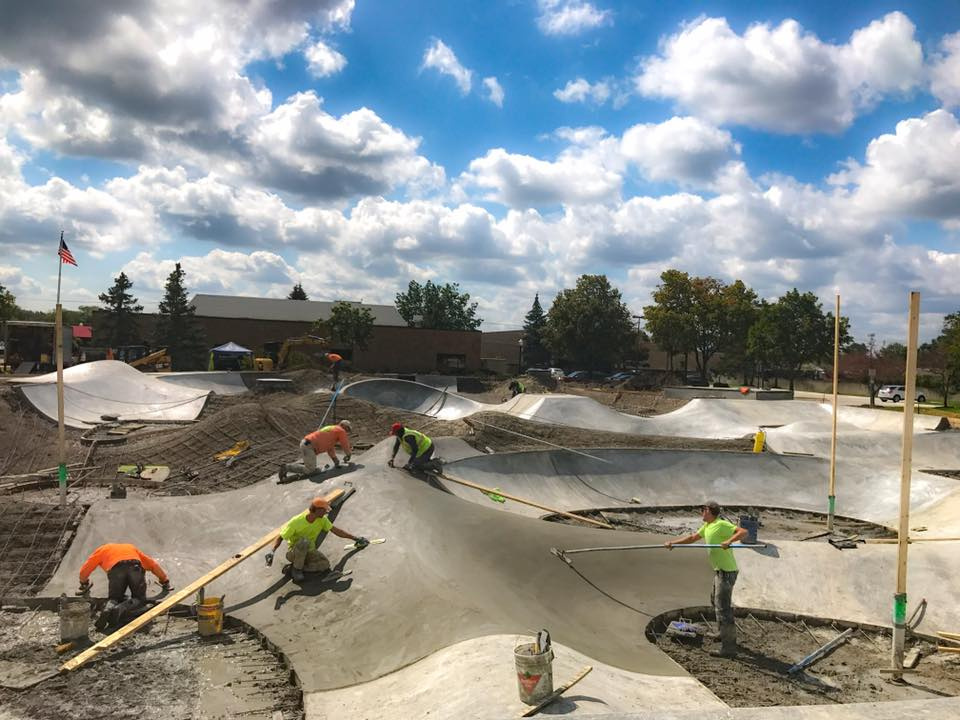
{"type": "Point", "coordinates": [113, 388]}
{"type": "Point", "coordinates": [221, 382]}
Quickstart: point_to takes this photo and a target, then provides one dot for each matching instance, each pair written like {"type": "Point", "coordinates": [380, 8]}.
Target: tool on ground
{"type": "Point", "coordinates": [238, 447]}
{"type": "Point", "coordinates": [375, 541]}
{"type": "Point", "coordinates": [65, 647]}
{"type": "Point", "coordinates": [485, 490]}
{"type": "Point", "coordinates": [563, 554]}
{"type": "Point", "coordinates": [685, 629]}
{"type": "Point", "coordinates": [821, 652]}
{"type": "Point", "coordinates": [845, 543]}
{"type": "Point", "coordinates": [178, 596]}
{"type": "Point", "coordinates": [496, 496]}
{"type": "Point", "coordinates": [542, 643]}
{"type": "Point", "coordinates": [556, 693]}
{"type": "Point", "coordinates": [894, 541]}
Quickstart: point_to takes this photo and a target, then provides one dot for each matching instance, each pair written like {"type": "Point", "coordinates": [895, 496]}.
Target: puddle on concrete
{"type": "Point", "coordinates": [775, 523]}
{"type": "Point", "coordinates": [166, 670]}
{"type": "Point", "coordinates": [770, 645]}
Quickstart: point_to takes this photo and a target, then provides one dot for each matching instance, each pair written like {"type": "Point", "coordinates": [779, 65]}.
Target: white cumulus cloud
{"type": "Point", "coordinates": [494, 91]}
{"type": "Point", "coordinates": [570, 17]}
{"type": "Point", "coordinates": [323, 60]}
{"type": "Point", "coordinates": [441, 58]}
{"type": "Point", "coordinates": [581, 90]}
{"type": "Point", "coordinates": [782, 78]}
{"type": "Point", "coordinates": [945, 71]}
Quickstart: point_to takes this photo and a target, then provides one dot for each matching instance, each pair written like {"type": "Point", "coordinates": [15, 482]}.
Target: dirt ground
{"type": "Point", "coordinates": [165, 671]}
{"type": "Point", "coordinates": [33, 538]}
{"type": "Point", "coordinates": [775, 523]}
{"type": "Point", "coordinates": [758, 676]}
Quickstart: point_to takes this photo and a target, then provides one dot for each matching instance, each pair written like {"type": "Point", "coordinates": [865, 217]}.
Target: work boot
{"type": "Point", "coordinates": [282, 473]}
{"type": "Point", "coordinates": [297, 575]}
{"type": "Point", "coordinates": [728, 642]}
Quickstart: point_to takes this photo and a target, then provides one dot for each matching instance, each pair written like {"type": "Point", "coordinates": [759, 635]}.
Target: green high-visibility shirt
{"type": "Point", "coordinates": [299, 528]}
{"type": "Point", "coordinates": [714, 533]}
{"type": "Point", "coordinates": [422, 442]}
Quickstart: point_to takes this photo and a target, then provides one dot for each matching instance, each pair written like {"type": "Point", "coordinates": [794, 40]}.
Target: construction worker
{"type": "Point", "coordinates": [717, 531]}
{"type": "Point", "coordinates": [302, 532]}
{"type": "Point", "coordinates": [335, 362]}
{"type": "Point", "coordinates": [418, 445]}
{"type": "Point", "coordinates": [516, 388]}
{"type": "Point", "coordinates": [324, 439]}
{"type": "Point", "coordinates": [124, 565]}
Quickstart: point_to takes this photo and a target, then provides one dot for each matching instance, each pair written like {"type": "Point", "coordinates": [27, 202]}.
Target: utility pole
{"type": "Point", "coordinates": [906, 457]}
{"type": "Point", "coordinates": [58, 344]}
{"type": "Point", "coordinates": [832, 493]}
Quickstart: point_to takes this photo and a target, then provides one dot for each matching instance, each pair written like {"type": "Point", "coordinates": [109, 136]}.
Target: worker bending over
{"type": "Point", "coordinates": [302, 533]}
{"type": "Point", "coordinates": [324, 439]}
{"type": "Point", "coordinates": [124, 565]}
{"type": "Point", "coordinates": [418, 445]}
{"type": "Point", "coordinates": [717, 531]}
{"type": "Point", "coordinates": [516, 388]}
{"type": "Point", "coordinates": [335, 362]}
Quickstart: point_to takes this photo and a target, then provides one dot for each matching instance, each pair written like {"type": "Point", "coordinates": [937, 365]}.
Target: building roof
{"type": "Point", "coordinates": [255, 308]}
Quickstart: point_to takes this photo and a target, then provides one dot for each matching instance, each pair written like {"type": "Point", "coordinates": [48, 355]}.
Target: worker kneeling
{"type": "Point", "coordinates": [302, 533]}
{"type": "Point", "coordinates": [324, 439]}
{"type": "Point", "coordinates": [418, 445]}
{"type": "Point", "coordinates": [124, 565]}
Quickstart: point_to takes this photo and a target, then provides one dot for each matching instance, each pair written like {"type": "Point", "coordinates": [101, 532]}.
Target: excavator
{"type": "Point", "coordinates": [277, 353]}
{"type": "Point", "coordinates": [157, 360]}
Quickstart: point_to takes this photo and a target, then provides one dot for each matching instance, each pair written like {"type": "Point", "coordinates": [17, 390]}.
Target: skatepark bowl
{"type": "Point", "coordinates": [424, 624]}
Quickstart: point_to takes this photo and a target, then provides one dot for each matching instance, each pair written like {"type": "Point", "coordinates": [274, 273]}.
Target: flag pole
{"type": "Point", "coordinates": [61, 433]}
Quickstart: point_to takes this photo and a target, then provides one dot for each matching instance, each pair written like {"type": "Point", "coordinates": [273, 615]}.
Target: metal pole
{"type": "Point", "coordinates": [903, 536]}
{"type": "Point", "coordinates": [61, 433]}
{"type": "Point", "coordinates": [832, 494]}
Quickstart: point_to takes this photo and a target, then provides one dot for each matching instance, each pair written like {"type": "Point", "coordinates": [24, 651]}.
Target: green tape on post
{"type": "Point", "coordinates": [900, 609]}
{"type": "Point", "coordinates": [62, 472]}
{"type": "Point", "coordinates": [831, 503]}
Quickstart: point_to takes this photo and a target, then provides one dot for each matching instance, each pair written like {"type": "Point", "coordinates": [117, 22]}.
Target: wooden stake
{"type": "Point", "coordinates": [176, 597]}
{"type": "Point", "coordinates": [906, 458]}
{"type": "Point", "coordinates": [832, 494]}
{"type": "Point", "coordinates": [556, 693]}
{"type": "Point", "coordinates": [481, 488]}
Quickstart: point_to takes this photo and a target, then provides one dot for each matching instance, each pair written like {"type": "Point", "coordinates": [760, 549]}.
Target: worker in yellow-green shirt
{"type": "Point", "coordinates": [302, 532]}
{"type": "Point", "coordinates": [415, 443]}
{"type": "Point", "coordinates": [717, 531]}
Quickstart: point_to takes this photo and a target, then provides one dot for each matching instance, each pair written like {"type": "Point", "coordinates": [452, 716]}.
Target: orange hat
{"type": "Point", "coordinates": [319, 503]}
{"type": "Point", "coordinates": [395, 428]}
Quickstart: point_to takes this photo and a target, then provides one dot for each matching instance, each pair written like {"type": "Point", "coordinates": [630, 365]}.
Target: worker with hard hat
{"type": "Point", "coordinates": [335, 361]}
{"type": "Point", "coordinates": [324, 439]}
{"type": "Point", "coordinates": [302, 533]}
{"type": "Point", "coordinates": [125, 566]}
{"type": "Point", "coordinates": [418, 445]}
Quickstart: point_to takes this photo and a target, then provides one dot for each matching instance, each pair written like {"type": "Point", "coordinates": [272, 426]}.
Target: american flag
{"type": "Point", "coordinates": [65, 255]}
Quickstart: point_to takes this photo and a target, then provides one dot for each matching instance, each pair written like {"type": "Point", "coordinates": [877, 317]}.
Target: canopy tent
{"type": "Point", "coordinates": [228, 356]}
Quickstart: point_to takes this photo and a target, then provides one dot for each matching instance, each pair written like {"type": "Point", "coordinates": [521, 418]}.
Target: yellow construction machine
{"type": "Point", "coordinates": [278, 353]}
{"type": "Point", "coordinates": [158, 360]}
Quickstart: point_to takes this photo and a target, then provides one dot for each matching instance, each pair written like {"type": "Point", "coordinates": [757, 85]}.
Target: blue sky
{"type": "Point", "coordinates": [506, 146]}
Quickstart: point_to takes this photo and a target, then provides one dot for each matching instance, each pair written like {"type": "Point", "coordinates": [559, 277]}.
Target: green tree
{"type": "Point", "coordinates": [793, 331]}
{"type": "Point", "coordinates": [894, 351]}
{"type": "Point", "coordinates": [670, 319]}
{"type": "Point", "coordinates": [118, 319]}
{"type": "Point", "coordinates": [298, 293]}
{"type": "Point", "coordinates": [590, 324]}
{"type": "Point", "coordinates": [8, 304]}
{"type": "Point", "coordinates": [177, 328]}
{"type": "Point", "coordinates": [438, 307]}
{"type": "Point", "coordinates": [351, 324]}
{"type": "Point", "coordinates": [941, 357]}
{"type": "Point", "coordinates": [534, 350]}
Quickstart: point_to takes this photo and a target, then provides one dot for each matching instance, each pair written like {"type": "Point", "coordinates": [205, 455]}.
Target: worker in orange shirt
{"type": "Point", "coordinates": [324, 439]}
{"type": "Point", "coordinates": [124, 565]}
{"type": "Point", "coordinates": [335, 362]}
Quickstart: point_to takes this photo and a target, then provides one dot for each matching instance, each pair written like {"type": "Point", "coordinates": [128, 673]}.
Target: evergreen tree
{"type": "Point", "coordinates": [118, 321]}
{"type": "Point", "coordinates": [298, 293]}
{"type": "Point", "coordinates": [8, 304]}
{"type": "Point", "coordinates": [534, 351]}
{"type": "Point", "coordinates": [177, 327]}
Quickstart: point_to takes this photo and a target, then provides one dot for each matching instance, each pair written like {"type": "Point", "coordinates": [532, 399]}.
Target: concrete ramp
{"type": "Point", "coordinates": [110, 387]}
{"type": "Point", "coordinates": [221, 382]}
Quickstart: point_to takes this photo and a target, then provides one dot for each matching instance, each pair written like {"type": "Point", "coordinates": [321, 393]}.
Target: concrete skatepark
{"type": "Point", "coordinates": [425, 624]}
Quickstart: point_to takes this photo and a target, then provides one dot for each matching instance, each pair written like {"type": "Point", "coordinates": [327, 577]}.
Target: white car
{"type": "Point", "coordinates": [895, 393]}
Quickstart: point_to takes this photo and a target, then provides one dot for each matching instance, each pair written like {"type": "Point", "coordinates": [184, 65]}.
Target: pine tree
{"type": "Point", "coordinates": [298, 293]}
{"type": "Point", "coordinates": [118, 320]}
{"type": "Point", "coordinates": [534, 351]}
{"type": "Point", "coordinates": [177, 327]}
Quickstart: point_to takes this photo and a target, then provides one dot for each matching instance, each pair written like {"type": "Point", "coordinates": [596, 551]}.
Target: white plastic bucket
{"type": "Point", "coordinates": [534, 673]}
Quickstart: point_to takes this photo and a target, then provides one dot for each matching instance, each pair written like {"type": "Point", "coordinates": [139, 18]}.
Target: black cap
{"type": "Point", "coordinates": [713, 506]}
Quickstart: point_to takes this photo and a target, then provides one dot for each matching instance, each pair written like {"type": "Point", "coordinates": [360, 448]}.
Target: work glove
{"type": "Point", "coordinates": [346, 458]}
{"type": "Point", "coordinates": [269, 559]}
{"type": "Point", "coordinates": [361, 542]}
{"type": "Point", "coordinates": [84, 588]}
{"type": "Point", "coordinates": [165, 586]}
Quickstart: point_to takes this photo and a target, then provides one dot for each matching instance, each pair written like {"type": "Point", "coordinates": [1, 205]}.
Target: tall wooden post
{"type": "Point", "coordinates": [61, 432]}
{"type": "Point", "coordinates": [906, 457]}
{"type": "Point", "coordinates": [832, 493]}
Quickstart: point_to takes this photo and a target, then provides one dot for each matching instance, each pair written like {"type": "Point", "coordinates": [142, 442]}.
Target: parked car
{"type": "Point", "coordinates": [895, 393]}
{"type": "Point", "coordinates": [585, 376]}
{"type": "Point", "coordinates": [620, 376]}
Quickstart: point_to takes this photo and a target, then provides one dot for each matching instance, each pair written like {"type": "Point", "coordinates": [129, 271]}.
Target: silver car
{"type": "Point", "coordinates": [895, 393]}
